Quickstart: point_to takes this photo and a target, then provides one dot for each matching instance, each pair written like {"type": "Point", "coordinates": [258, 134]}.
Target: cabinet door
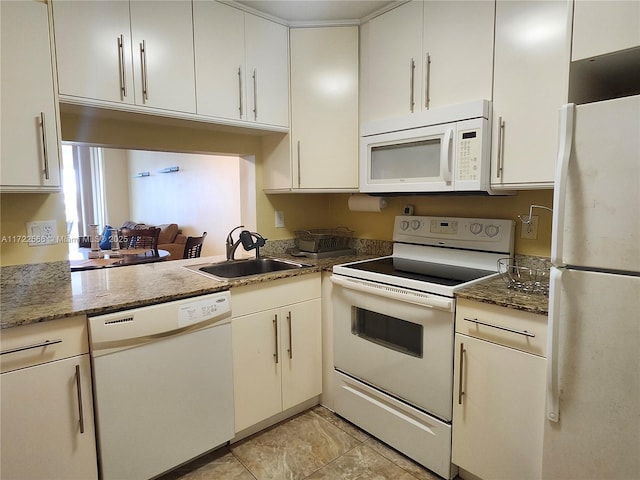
{"type": "Point", "coordinates": [267, 71]}
{"type": "Point", "coordinates": [302, 352]}
{"type": "Point", "coordinates": [460, 60]}
{"type": "Point", "coordinates": [93, 49]}
{"type": "Point", "coordinates": [604, 26]}
{"type": "Point", "coordinates": [41, 428]}
{"type": "Point", "coordinates": [257, 364]}
{"type": "Point", "coordinates": [396, 62]}
{"type": "Point", "coordinates": [530, 85]}
{"type": "Point", "coordinates": [30, 154]}
{"type": "Point", "coordinates": [498, 421]}
{"type": "Point", "coordinates": [162, 37]}
{"type": "Point", "coordinates": [219, 53]}
{"type": "Point", "coordinates": [324, 107]}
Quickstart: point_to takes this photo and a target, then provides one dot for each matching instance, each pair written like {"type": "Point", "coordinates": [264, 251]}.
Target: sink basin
{"type": "Point", "coordinates": [246, 268]}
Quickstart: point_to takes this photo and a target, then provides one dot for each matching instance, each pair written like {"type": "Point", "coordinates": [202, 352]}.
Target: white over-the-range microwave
{"type": "Point", "coordinates": [447, 149]}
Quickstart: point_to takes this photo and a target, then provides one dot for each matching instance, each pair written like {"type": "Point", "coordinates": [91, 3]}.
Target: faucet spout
{"type": "Point", "coordinates": [230, 245]}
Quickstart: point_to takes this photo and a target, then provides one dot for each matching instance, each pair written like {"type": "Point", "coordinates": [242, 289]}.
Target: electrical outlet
{"type": "Point", "coordinates": [43, 232]}
{"type": "Point", "coordinates": [279, 219]}
{"type": "Point", "coordinates": [529, 230]}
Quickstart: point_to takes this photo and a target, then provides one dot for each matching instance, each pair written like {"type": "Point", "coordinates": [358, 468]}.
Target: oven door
{"type": "Point", "coordinates": [397, 340]}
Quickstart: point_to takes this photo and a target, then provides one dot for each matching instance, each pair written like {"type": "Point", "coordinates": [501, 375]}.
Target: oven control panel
{"type": "Point", "coordinates": [472, 233]}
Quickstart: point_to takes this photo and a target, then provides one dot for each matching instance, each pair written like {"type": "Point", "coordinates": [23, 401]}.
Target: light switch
{"type": "Point", "coordinates": [279, 219]}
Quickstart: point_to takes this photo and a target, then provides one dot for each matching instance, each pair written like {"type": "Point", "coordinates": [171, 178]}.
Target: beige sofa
{"type": "Point", "coordinates": [170, 239]}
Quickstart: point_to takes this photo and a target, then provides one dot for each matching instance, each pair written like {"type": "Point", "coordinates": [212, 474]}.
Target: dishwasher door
{"type": "Point", "coordinates": [163, 384]}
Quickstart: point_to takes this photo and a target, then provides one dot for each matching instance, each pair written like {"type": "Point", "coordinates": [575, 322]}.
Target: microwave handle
{"type": "Point", "coordinates": [445, 155]}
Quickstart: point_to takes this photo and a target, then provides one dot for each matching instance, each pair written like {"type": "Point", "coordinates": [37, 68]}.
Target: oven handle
{"type": "Point", "coordinates": [395, 293]}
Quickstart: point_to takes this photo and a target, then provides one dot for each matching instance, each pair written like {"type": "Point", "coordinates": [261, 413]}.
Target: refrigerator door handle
{"type": "Point", "coordinates": [553, 384]}
{"type": "Point", "coordinates": [567, 116]}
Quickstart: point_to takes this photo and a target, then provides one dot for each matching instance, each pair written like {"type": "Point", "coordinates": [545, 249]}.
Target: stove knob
{"type": "Point", "coordinates": [404, 225]}
{"type": "Point", "coordinates": [476, 228]}
{"type": "Point", "coordinates": [415, 224]}
{"type": "Point", "coordinates": [491, 230]}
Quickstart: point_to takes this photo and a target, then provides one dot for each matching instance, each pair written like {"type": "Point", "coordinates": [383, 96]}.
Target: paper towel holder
{"type": "Point", "coordinates": [366, 203]}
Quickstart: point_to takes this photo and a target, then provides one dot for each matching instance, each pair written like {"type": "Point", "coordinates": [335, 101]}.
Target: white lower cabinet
{"type": "Point", "coordinates": [277, 347]}
{"type": "Point", "coordinates": [47, 408]}
{"type": "Point", "coordinates": [499, 391]}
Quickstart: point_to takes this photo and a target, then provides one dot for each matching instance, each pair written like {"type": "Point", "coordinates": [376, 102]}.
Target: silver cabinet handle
{"type": "Point", "coordinates": [143, 65]}
{"type": "Point", "coordinates": [45, 153]}
{"type": "Point", "coordinates": [46, 343]}
{"type": "Point", "coordinates": [299, 173]}
{"type": "Point", "coordinates": [79, 388]}
{"type": "Point", "coordinates": [290, 338]}
{"type": "Point", "coordinates": [255, 94]}
{"type": "Point", "coordinates": [427, 92]}
{"type": "Point", "coordinates": [123, 75]}
{"type": "Point", "coordinates": [500, 146]}
{"type": "Point", "coordinates": [460, 391]}
{"type": "Point", "coordinates": [275, 329]}
{"type": "Point", "coordinates": [411, 85]}
{"type": "Point", "coordinates": [507, 329]}
{"type": "Point", "coordinates": [240, 106]}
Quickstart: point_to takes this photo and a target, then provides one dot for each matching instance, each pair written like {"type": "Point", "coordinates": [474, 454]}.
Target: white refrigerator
{"type": "Point", "coordinates": [592, 424]}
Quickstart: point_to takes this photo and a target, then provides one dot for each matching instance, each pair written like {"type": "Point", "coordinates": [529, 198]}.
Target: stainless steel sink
{"type": "Point", "coordinates": [247, 267]}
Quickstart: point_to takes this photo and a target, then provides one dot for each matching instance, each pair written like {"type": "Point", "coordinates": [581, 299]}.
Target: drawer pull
{"type": "Point", "coordinates": [79, 389]}
{"type": "Point", "coordinates": [46, 343]}
{"type": "Point", "coordinates": [460, 391]}
{"type": "Point", "coordinates": [519, 332]}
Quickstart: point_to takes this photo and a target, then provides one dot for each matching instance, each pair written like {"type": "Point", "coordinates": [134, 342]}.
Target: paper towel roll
{"type": "Point", "coordinates": [365, 203]}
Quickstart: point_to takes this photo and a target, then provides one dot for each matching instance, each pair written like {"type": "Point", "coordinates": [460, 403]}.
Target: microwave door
{"type": "Point", "coordinates": [421, 161]}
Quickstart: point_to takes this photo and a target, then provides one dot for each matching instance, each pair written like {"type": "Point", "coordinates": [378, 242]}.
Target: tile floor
{"type": "Point", "coordinates": [314, 445]}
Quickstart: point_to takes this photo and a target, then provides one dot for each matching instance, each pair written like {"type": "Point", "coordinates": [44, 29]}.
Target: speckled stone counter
{"type": "Point", "coordinates": [495, 291]}
{"type": "Point", "coordinates": [36, 295]}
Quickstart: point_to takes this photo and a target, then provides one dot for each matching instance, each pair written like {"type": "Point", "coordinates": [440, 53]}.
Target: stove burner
{"type": "Point", "coordinates": [436, 273]}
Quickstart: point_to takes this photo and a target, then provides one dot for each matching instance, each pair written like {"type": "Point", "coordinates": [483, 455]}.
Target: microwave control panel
{"type": "Point", "coordinates": [469, 154]}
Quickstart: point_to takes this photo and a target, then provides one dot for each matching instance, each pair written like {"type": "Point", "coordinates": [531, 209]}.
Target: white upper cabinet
{"type": "Point", "coordinates": [30, 146]}
{"type": "Point", "coordinates": [93, 50]}
{"type": "Point", "coordinates": [395, 63]}
{"type": "Point", "coordinates": [267, 60]}
{"type": "Point", "coordinates": [162, 44]}
{"type": "Point", "coordinates": [324, 107]}
{"type": "Point", "coordinates": [531, 75]}
{"type": "Point", "coordinates": [604, 26]}
{"type": "Point", "coordinates": [242, 68]}
{"type": "Point", "coordinates": [220, 66]}
{"type": "Point", "coordinates": [459, 59]}
{"type": "Point", "coordinates": [428, 54]}
{"type": "Point", "coordinates": [138, 52]}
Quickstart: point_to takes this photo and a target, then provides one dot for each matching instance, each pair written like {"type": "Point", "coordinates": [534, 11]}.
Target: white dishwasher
{"type": "Point", "coordinates": [163, 384]}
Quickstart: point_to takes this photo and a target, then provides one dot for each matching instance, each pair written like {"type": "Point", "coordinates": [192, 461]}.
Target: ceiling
{"type": "Point", "coordinates": [326, 11]}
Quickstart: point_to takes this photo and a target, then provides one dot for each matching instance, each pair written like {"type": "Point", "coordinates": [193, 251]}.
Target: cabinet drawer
{"type": "Point", "coordinates": [513, 328]}
{"type": "Point", "coordinates": [274, 293]}
{"type": "Point", "coordinates": [39, 343]}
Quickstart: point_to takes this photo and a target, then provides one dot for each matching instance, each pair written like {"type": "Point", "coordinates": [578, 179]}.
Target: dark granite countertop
{"type": "Point", "coordinates": [35, 295]}
{"type": "Point", "coordinates": [38, 295]}
{"type": "Point", "coordinates": [495, 291]}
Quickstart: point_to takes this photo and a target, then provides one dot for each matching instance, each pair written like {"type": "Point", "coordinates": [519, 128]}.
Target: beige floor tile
{"type": "Point", "coordinates": [343, 425]}
{"type": "Point", "coordinates": [293, 450]}
{"type": "Point", "coordinates": [359, 464]}
{"type": "Point", "coordinates": [219, 465]}
{"type": "Point", "coordinates": [403, 462]}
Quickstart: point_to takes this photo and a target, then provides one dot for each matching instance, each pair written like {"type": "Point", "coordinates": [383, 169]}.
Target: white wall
{"type": "Point", "coordinates": [116, 186]}
{"type": "Point", "coordinates": [208, 193]}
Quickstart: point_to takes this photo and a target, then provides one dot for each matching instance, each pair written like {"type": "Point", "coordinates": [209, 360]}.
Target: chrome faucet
{"type": "Point", "coordinates": [230, 245]}
{"type": "Point", "coordinates": [246, 239]}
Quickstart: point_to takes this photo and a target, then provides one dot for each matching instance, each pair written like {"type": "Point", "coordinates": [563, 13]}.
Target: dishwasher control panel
{"type": "Point", "coordinates": [126, 328]}
{"type": "Point", "coordinates": [200, 310]}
